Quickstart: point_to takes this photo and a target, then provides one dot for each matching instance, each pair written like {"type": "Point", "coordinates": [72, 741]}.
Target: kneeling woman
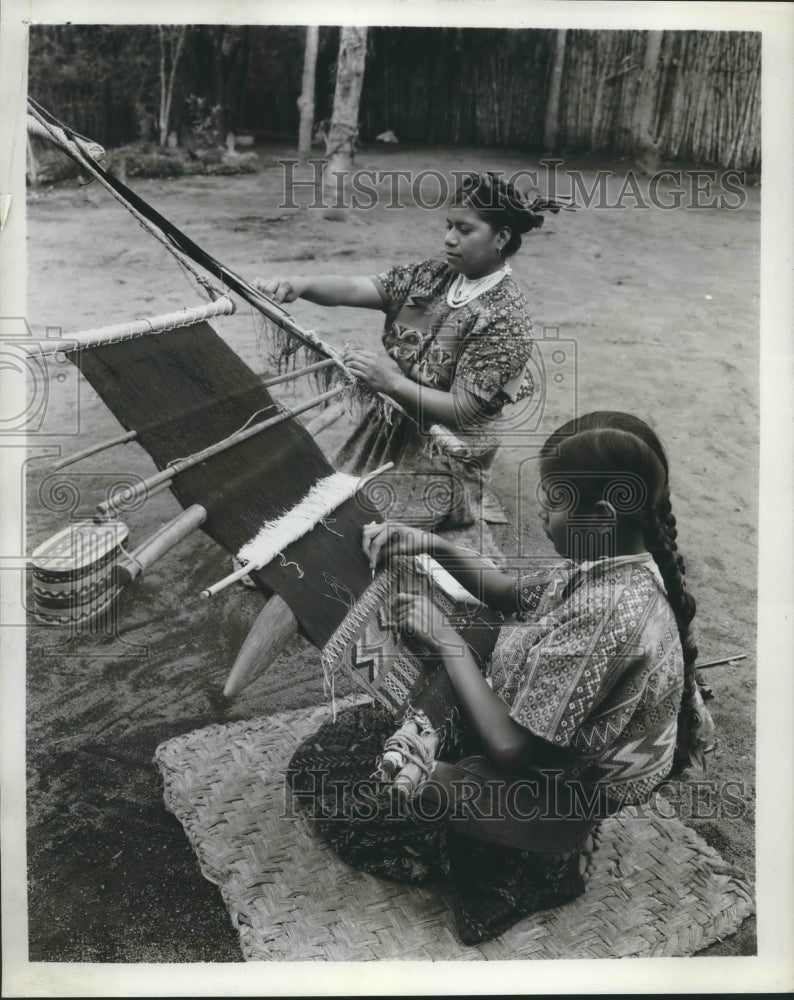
{"type": "Point", "coordinates": [591, 689]}
{"type": "Point", "coordinates": [455, 350]}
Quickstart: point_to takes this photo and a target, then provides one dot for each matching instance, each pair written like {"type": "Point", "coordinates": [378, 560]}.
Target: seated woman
{"type": "Point", "coordinates": [455, 348]}
{"type": "Point", "coordinates": [590, 701]}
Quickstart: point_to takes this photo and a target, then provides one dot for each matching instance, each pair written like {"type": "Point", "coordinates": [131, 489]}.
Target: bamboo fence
{"type": "Point", "coordinates": [489, 87]}
{"type": "Point", "coordinates": [474, 87]}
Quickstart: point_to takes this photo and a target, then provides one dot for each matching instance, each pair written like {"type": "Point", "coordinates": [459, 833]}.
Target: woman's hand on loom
{"type": "Point", "coordinates": [281, 289]}
{"type": "Point", "coordinates": [377, 369]}
{"type": "Point", "coordinates": [387, 539]}
{"type": "Point", "coordinates": [419, 618]}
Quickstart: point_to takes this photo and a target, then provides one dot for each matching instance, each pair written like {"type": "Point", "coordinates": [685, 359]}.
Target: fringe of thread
{"type": "Point", "coordinates": [349, 629]}
{"type": "Point", "coordinates": [286, 352]}
{"type": "Point", "coordinates": [402, 667]}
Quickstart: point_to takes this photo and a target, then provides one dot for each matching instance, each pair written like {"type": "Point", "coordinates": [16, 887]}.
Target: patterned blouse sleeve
{"type": "Point", "coordinates": [546, 581]}
{"type": "Point", "coordinates": [568, 672]}
{"type": "Point", "coordinates": [493, 363]}
{"type": "Point", "coordinates": [393, 285]}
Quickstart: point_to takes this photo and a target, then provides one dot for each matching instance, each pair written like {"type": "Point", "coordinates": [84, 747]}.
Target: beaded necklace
{"type": "Point", "coordinates": [463, 289]}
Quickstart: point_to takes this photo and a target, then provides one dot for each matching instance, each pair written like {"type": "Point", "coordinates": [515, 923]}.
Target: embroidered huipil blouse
{"type": "Point", "coordinates": [596, 667]}
{"type": "Point", "coordinates": [484, 347]}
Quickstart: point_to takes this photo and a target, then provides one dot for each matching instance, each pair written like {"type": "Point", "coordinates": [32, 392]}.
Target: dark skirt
{"type": "Point", "coordinates": [491, 886]}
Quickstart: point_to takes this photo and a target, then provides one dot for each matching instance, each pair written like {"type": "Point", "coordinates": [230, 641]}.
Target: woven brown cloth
{"type": "Point", "coordinates": [655, 887]}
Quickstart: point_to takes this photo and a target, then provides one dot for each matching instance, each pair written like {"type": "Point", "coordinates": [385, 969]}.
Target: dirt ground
{"type": "Point", "coordinates": [656, 312]}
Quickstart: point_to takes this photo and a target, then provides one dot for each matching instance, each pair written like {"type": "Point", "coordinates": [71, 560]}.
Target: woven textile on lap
{"type": "Point", "coordinates": [393, 670]}
{"type": "Point", "coordinates": [656, 888]}
{"type": "Point", "coordinates": [184, 390]}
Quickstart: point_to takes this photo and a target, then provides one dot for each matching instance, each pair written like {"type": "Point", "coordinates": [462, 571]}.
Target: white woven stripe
{"type": "Point", "coordinates": [321, 500]}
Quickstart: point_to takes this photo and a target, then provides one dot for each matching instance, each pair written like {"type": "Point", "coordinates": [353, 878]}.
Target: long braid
{"type": "Point", "coordinates": [667, 520]}
{"type": "Point", "coordinates": [695, 726]}
{"type": "Point", "coordinates": [658, 543]}
{"type": "Point", "coordinates": [617, 420]}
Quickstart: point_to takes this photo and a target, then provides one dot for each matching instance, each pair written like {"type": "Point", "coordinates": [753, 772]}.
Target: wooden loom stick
{"type": "Point", "coordinates": [289, 376]}
{"type": "Point", "coordinates": [201, 456]}
{"type": "Point", "coordinates": [136, 328]}
{"type": "Point", "coordinates": [103, 516]}
{"type": "Point", "coordinates": [323, 420]}
{"type": "Point", "coordinates": [132, 564]}
{"type": "Point", "coordinates": [721, 662]}
{"type": "Point", "coordinates": [94, 449]}
{"type": "Point", "coordinates": [274, 627]}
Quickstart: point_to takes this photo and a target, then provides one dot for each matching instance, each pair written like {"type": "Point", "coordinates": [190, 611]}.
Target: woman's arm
{"type": "Point", "coordinates": [457, 408]}
{"type": "Point", "coordinates": [508, 744]}
{"type": "Point", "coordinates": [478, 576]}
{"type": "Point", "coordinates": [326, 290]}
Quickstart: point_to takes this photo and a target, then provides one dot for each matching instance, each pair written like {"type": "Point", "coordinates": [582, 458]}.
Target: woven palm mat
{"type": "Point", "coordinates": [656, 888]}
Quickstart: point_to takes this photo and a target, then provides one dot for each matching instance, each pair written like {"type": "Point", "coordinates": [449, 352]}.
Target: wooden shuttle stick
{"type": "Point", "coordinates": [102, 516]}
{"type": "Point", "coordinates": [136, 328]}
{"type": "Point", "coordinates": [721, 662]}
{"type": "Point", "coordinates": [131, 565]}
{"type": "Point", "coordinates": [323, 420]}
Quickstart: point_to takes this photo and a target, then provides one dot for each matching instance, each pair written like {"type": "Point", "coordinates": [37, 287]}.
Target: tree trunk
{"type": "Point", "coordinates": [340, 145]}
{"type": "Point", "coordinates": [218, 41]}
{"type": "Point", "coordinates": [551, 126]}
{"type": "Point", "coordinates": [168, 75]}
{"type": "Point", "coordinates": [306, 100]}
{"type": "Point", "coordinates": [642, 125]}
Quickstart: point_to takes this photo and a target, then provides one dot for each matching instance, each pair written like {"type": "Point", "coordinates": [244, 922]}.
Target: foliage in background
{"type": "Point", "coordinates": [470, 87]}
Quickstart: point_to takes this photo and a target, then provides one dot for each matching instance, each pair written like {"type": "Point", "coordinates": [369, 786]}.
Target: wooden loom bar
{"type": "Point", "coordinates": [321, 421]}
{"type": "Point", "coordinates": [289, 376]}
{"type": "Point", "coordinates": [105, 513]}
{"type": "Point", "coordinates": [137, 328]}
{"type": "Point", "coordinates": [165, 538]}
{"type": "Point", "coordinates": [215, 449]}
{"type": "Point", "coordinates": [720, 662]}
{"type": "Point", "coordinates": [94, 449]}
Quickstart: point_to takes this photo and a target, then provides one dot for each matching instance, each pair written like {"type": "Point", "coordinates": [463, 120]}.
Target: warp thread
{"type": "Point", "coordinates": [285, 350]}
